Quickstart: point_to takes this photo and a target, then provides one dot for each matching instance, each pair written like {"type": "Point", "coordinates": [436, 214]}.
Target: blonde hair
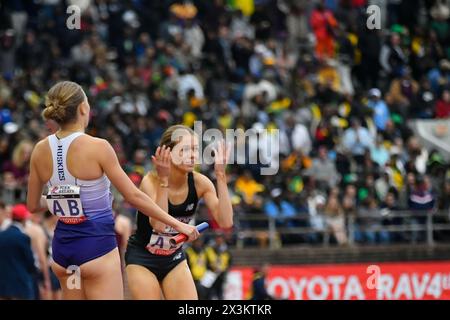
{"type": "Point", "coordinates": [18, 153]}
{"type": "Point", "coordinates": [62, 101]}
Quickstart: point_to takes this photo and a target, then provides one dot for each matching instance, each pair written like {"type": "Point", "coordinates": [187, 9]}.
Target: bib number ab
{"type": "Point", "coordinates": [64, 201]}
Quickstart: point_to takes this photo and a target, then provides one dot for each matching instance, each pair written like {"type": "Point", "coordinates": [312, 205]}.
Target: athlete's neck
{"type": "Point", "coordinates": [69, 129]}
{"type": "Point", "coordinates": [177, 178]}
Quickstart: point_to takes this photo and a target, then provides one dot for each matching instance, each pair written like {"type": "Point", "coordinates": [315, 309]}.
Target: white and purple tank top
{"type": "Point", "coordinates": [74, 200]}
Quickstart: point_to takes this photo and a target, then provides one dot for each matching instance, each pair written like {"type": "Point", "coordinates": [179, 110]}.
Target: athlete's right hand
{"type": "Point", "coordinates": [190, 231]}
{"type": "Point", "coordinates": [161, 160]}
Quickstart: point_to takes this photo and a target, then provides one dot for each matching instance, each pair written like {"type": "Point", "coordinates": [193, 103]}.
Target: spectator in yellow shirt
{"type": "Point", "coordinates": [248, 187]}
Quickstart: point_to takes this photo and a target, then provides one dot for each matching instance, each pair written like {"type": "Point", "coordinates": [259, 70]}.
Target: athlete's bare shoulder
{"type": "Point", "coordinates": [198, 176]}
{"type": "Point", "coordinates": [202, 182]}
{"type": "Point", "coordinates": [93, 143]}
{"type": "Point", "coordinates": [42, 144]}
{"type": "Point", "coordinates": [40, 149]}
{"type": "Point", "coordinates": [96, 140]}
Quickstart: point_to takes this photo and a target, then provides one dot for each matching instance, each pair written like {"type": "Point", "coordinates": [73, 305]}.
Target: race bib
{"type": "Point", "coordinates": [159, 244]}
{"type": "Point", "coordinates": [64, 201]}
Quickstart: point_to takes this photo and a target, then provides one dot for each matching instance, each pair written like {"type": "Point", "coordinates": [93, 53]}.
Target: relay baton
{"type": "Point", "coordinates": [182, 237]}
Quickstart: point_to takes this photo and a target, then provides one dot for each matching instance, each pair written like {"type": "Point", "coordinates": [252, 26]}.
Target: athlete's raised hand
{"type": "Point", "coordinates": [221, 155]}
{"type": "Point", "coordinates": [161, 160]}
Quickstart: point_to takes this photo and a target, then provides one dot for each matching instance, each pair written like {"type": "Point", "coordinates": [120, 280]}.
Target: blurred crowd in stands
{"type": "Point", "coordinates": [340, 94]}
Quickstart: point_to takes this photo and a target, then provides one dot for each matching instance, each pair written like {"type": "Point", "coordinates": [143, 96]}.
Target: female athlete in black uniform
{"type": "Point", "coordinates": [153, 264]}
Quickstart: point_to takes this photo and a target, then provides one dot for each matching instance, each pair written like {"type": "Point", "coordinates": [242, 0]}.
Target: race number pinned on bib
{"type": "Point", "coordinates": [159, 244]}
{"type": "Point", "coordinates": [64, 201]}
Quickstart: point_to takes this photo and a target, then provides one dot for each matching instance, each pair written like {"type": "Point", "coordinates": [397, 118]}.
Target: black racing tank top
{"type": "Point", "coordinates": [158, 242]}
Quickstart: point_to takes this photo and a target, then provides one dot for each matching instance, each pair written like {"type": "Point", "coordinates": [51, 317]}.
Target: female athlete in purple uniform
{"type": "Point", "coordinates": [77, 169]}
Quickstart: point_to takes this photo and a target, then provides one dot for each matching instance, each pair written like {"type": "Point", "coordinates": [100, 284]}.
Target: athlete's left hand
{"type": "Point", "coordinates": [221, 155]}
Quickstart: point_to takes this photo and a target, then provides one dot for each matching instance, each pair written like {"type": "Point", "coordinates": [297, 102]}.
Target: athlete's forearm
{"type": "Point", "coordinates": [147, 206]}
{"type": "Point", "coordinates": [225, 208]}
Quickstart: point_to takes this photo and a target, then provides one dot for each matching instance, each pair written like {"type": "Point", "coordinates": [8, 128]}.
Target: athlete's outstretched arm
{"type": "Point", "coordinates": [36, 202]}
{"type": "Point", "coordinates": [218, 203]}
{"type": "Point", "coordinates": [138, 199]}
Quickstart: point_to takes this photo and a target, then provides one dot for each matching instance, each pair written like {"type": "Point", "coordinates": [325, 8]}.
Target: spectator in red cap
{"type": "Point", "coordinates": [20, 213]}
{"type": "Point", "coordinates": [16, 258]}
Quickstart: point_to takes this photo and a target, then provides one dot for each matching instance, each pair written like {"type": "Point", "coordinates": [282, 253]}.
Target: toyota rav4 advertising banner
{"type": "Point", "coordinates": [363, 281]}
